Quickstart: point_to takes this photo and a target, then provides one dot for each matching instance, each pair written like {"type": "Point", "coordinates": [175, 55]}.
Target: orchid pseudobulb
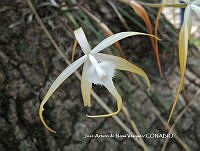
{"type": "Point", "coordinates": [98, 68]}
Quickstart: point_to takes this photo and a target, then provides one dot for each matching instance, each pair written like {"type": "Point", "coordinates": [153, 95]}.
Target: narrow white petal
{"type": "Point", "coordinates": [86, 86]}
{"type": "Point", "coordinates": [113, 39]}
{"type": "Point", "coordinates": [63, 76]}
{"type": "Point", "coordinates": [82, 40]}
{"type": "Point", "coordinates": [196, 9]}
{"type": "Point", "coordinates": [59, 80]}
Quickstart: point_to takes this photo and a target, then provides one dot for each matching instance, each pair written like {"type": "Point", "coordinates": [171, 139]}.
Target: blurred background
{"type": "Point", "coordinates": [29, 64]}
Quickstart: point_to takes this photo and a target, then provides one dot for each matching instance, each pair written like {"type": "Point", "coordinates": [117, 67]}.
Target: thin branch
{"type": "Point", "coordinates": [180, 116]}
{"type": "Point", "coordinates": [133, 124]}
{"type": "Point", "coordinates": [180, 5]}
{"type": "Point", "coordinates": [121, 18]}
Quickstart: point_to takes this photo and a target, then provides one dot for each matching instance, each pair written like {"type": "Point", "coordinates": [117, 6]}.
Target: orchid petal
{"type": "Point", "coordinates": [82, 40]}
{"type": "Point", "coordinates": [111, 88]}
{"type": "Point", "coordinates": [114, 38]}
{"type": "Point", "coordinates": [196, 9]}
{"type": "Point", "coordinates": [122, 64]}
{"type": "Point", "coordinates": [59, 80]}
{"type": "Point", "coordinates": [86, 86]}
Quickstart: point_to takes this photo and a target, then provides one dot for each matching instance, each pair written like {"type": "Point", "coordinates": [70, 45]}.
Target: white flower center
{"type": "Point", "coordinates": [100, 72]}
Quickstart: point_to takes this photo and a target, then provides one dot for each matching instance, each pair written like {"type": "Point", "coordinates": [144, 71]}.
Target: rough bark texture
{"type": "Point", "coordinates": [29, 64]}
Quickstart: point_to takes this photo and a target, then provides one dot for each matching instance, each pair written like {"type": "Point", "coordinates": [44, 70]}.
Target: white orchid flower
{"type": "Point", "coordinates": [193, 7]}
{"type": "Point", "coordinates": [98, 68]}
